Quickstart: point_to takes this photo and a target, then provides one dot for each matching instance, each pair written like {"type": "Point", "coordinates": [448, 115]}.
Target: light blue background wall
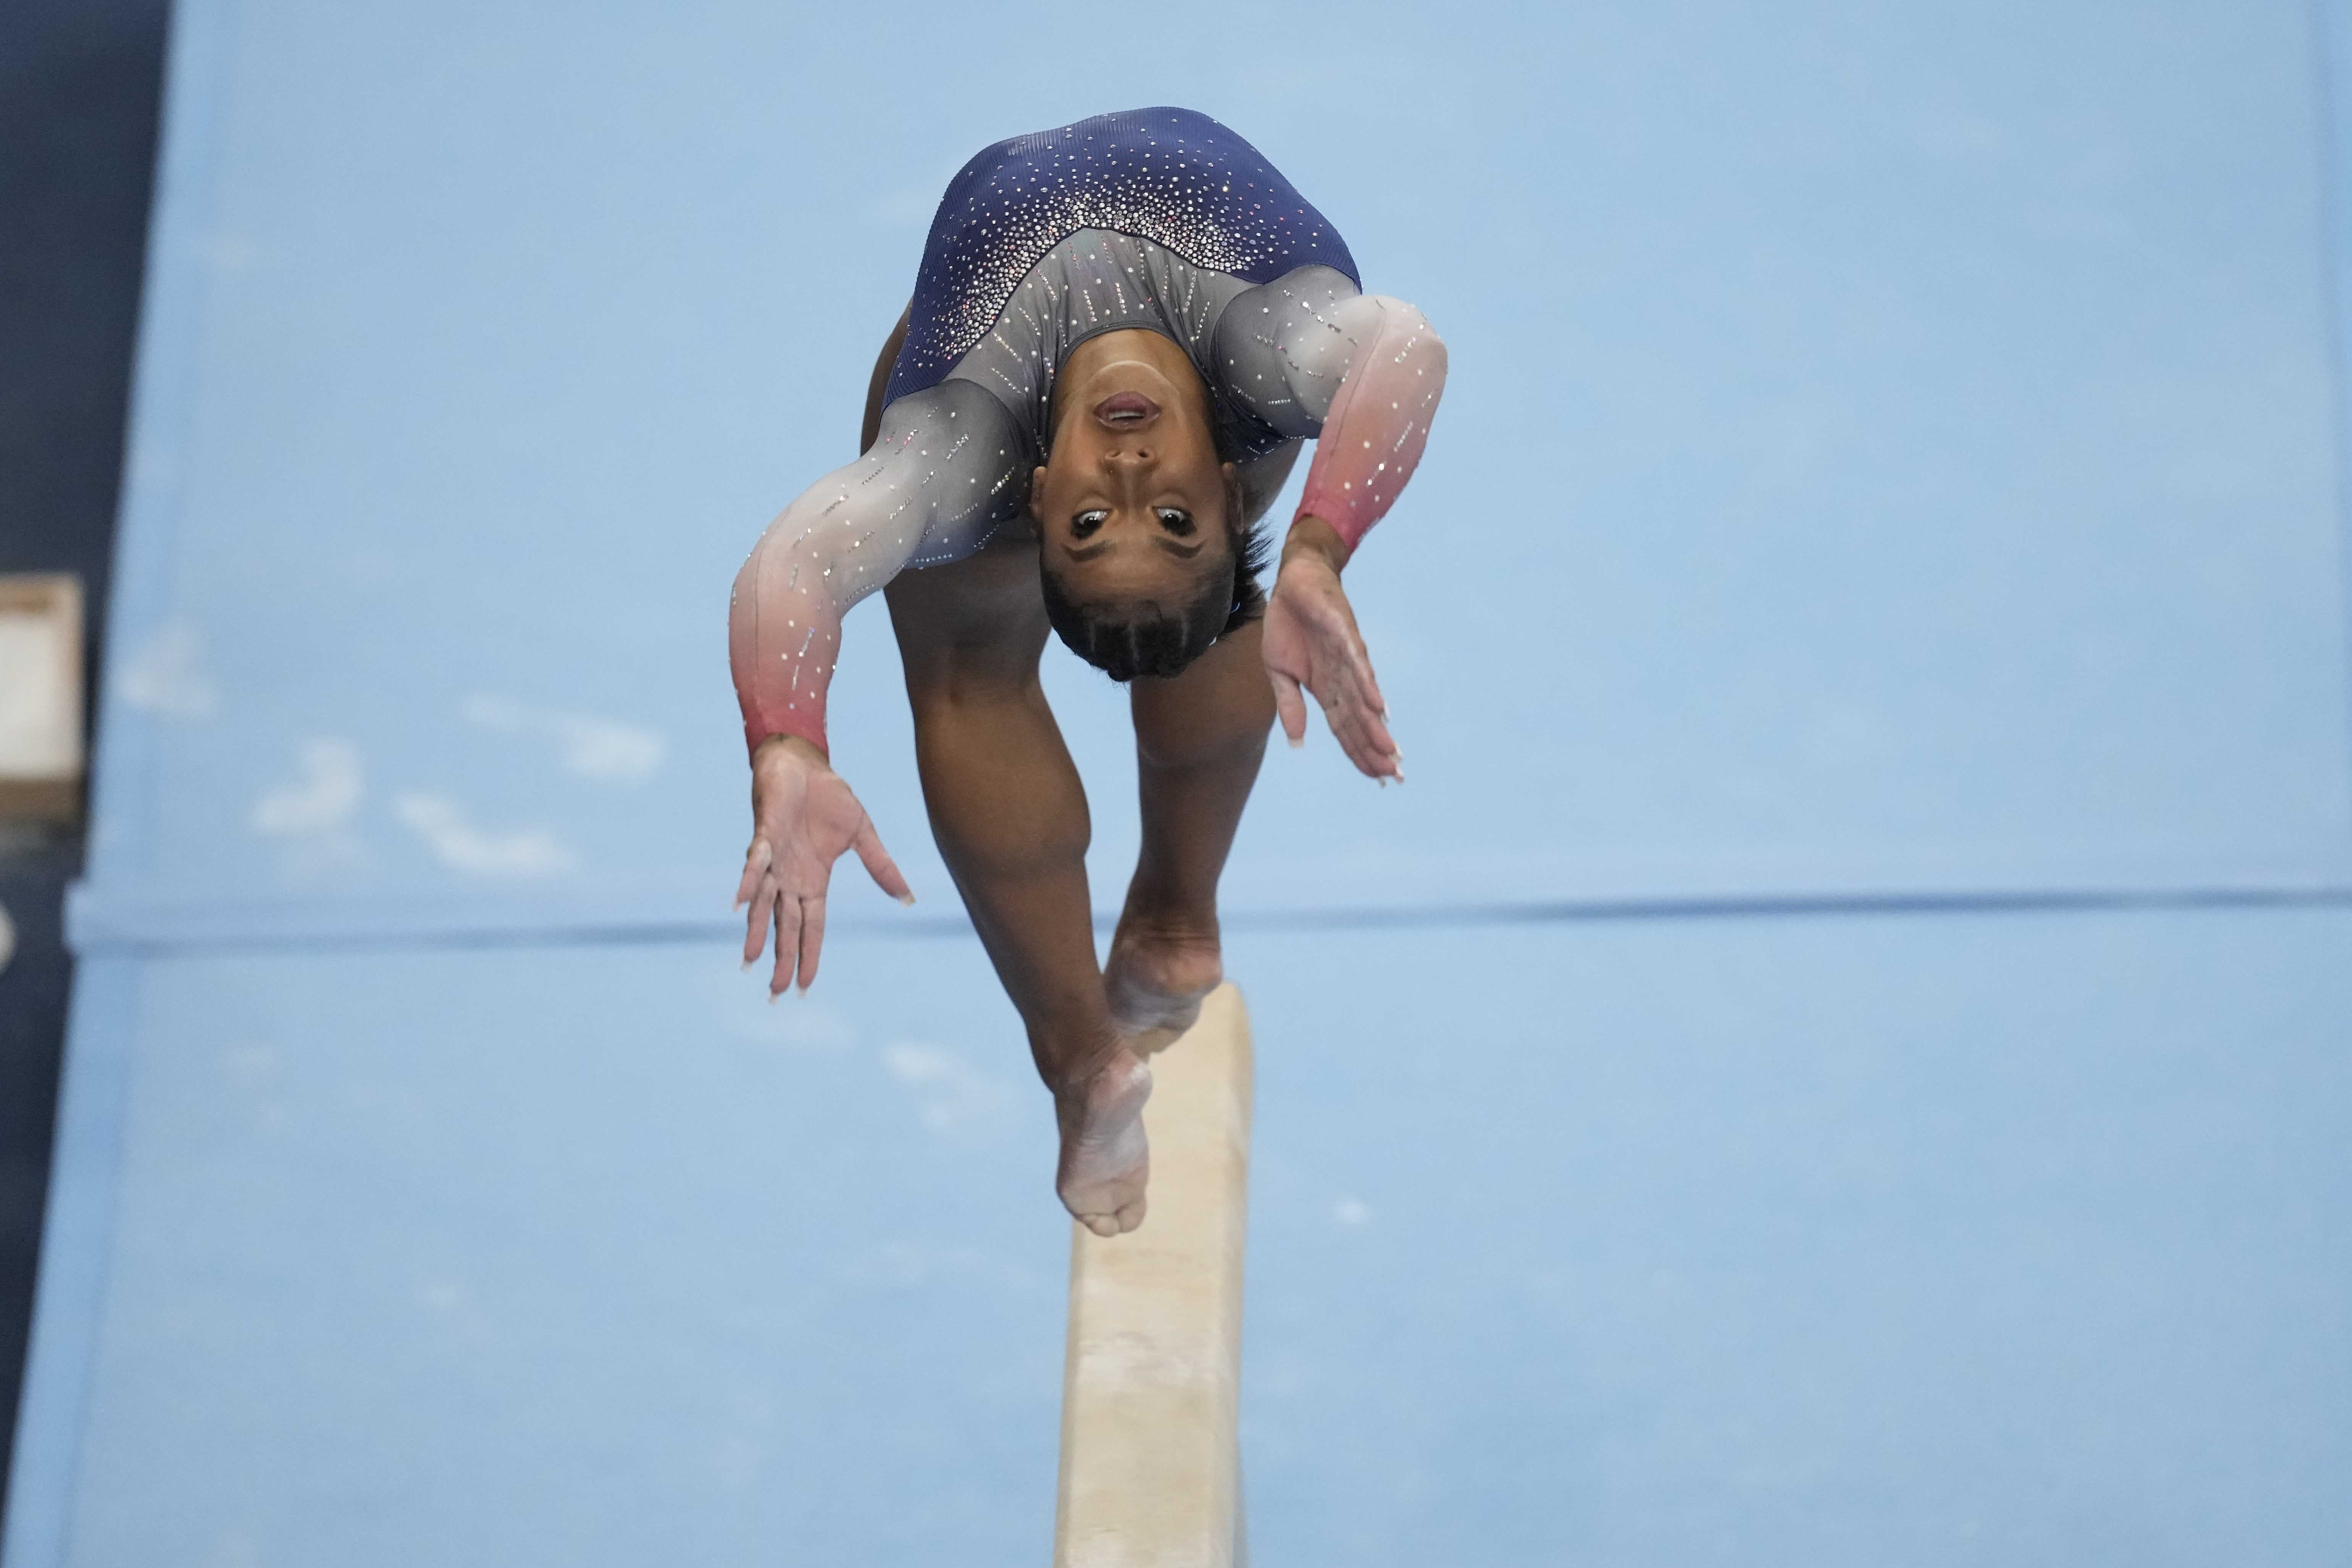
{"type": "Point", "coordinates": [1892, 458]}
{"type": "Point", "coordinates": [1880, 456]}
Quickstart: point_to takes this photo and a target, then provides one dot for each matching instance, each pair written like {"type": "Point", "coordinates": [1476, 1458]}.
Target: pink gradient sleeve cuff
{"type": "Point", "coordinates": [1378, 423]}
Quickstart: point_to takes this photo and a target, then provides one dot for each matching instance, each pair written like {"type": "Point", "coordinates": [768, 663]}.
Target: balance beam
{"type": "Point", "coordinates": [1151, 1378]}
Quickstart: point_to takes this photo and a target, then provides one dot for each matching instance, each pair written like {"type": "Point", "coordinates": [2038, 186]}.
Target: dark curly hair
{"type": "Point", "coordinates": [1147, 638]}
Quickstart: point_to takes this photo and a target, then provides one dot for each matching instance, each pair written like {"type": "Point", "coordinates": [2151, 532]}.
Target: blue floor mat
{"type": "Point", "coordinates": [1923, 1239]}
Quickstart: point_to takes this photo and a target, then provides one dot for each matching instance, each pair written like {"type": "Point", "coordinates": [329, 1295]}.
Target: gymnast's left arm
{"type": "Point", "coordinates": [1364, 374]}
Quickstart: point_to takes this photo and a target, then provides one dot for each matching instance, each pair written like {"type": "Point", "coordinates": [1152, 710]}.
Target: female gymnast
{"type": "Point", "coordinates": [1121, 334]}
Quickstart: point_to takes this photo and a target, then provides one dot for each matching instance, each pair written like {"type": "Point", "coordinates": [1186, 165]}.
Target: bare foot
{"type": "Point", "coordinates": [1159, 971]}
{"type": "Point", "coordinates": [1105, 1160]}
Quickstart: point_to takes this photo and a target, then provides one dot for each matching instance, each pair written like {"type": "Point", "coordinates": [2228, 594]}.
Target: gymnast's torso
{"type": "Point", "coordinates": [1158, 219]}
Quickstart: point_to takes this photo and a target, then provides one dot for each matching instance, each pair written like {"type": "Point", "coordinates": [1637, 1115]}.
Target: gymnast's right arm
{"type": "Point", "coordinates": [941, 471]}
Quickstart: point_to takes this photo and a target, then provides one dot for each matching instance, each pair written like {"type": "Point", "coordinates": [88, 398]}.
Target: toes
{"type": "Point", "coordinates": [1150, 1042]}
{"type": "Point", "coordinates": [1118, 1222]}
{"type": "Point", "coordinates": [1106, 1158]}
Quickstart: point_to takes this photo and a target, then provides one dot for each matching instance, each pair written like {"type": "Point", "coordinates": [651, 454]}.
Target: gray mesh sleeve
{"type": "Point", "coordinates": [943, 475]}
{"type": "Point", "coordinates": [1362, 373]}
{"type": "Point", "coordinates": [1282, 349]}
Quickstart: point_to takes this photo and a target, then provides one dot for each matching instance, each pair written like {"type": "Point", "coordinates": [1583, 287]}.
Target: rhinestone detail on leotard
{"type": "Point", "coordinates": [1173, 176]}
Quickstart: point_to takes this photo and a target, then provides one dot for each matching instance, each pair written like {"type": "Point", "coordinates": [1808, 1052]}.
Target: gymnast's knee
{"type": "Point", "coordinates": [1181, 750]}
{"type": "Point", "coordinates": [950, 690]}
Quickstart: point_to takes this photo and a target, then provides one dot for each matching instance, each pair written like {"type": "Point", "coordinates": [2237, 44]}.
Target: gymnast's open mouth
{"type": "Point", "coordinates": [1126, 410]}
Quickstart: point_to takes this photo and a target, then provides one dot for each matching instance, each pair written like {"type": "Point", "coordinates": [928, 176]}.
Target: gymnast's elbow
{"type": "Point", "coordinates": [1421, 343]}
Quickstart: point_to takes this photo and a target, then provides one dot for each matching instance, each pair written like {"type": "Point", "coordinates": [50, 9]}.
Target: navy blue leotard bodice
{"type": "Point", "coordinates": [1172, 177]}
{"type": "Point", "coordinates": [1160, 220]}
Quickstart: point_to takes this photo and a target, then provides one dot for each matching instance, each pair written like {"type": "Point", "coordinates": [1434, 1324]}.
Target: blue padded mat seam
{"type": "Point", "coordinates": [98, 927]}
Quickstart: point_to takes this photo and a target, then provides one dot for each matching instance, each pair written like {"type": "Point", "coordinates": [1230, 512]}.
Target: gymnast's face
{"type": "Point", "coordinates": [1131, 505]}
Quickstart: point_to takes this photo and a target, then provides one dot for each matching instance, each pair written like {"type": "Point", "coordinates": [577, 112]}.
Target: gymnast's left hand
{"type": "Point", "coordinates": [1311, 642]}
{"type": "Point", "coordinates": [804, 818]}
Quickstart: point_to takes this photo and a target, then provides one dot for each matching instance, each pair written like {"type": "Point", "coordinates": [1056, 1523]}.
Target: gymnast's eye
{"type": "Point", "coordinates": [1083, 524]}
{"type": "Point", "coordinates": [1176, 520]}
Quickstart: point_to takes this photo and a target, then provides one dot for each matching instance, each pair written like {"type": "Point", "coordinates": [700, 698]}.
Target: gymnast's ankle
{"type": "Point", "coordinates": [1166, 917]}
{"type": "Point", "coordinates": [1070, 1064]}
{"type": "Point", "coordinates": [1161, 964]}
{"type": "Point", "coordinates": [1172, 948]}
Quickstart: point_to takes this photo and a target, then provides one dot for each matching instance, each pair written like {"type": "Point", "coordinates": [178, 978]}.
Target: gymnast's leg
{"type": "Point", "coordinates": [1199, 739]}
{"type": "Point", "coordinates": [1010, 817]}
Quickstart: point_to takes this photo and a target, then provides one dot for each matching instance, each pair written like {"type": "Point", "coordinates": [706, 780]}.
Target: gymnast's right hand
{"type": "Point", "coordinates": [803, 817]}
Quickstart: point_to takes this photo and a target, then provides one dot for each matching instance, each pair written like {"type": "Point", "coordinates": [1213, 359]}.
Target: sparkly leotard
{"type": "Point", "coordinates": [1161, 219]}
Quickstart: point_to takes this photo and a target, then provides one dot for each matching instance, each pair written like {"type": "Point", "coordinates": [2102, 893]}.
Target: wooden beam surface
{"type": "Point", "coordinates": [1150, 1473]}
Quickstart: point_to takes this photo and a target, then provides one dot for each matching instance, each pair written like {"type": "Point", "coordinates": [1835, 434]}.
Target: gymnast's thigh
{"type": "Point", "coordinates": [970, 625]}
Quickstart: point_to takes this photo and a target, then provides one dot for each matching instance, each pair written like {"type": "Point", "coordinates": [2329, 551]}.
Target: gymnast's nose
{"type": "Point", "coordinates": [1132, 460]}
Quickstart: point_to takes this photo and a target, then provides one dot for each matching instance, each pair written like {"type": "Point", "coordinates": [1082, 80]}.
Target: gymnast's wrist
{"type": "Point", "coordinates": [1312, 537]}
{"type": "Point", "coordinates": [799, 747]}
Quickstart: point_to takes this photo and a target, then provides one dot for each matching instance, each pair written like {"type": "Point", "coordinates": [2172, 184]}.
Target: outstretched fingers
{"type": "Point", "coordinates": [788, 942]}
{"type": "Point", "coordinates": [1365, 737]}
{"type": "Point", "coordinates": [1359, 716]}
{"type": "Point", "coordinates": [756, 861]}
{"type": "Point", "coordinates": [759, 890]}
{"type": "Point", "coordinates": [1366, 740]}
{"type": "Point", "coordinates": [805, 818]}
{"type": "Point", "coordinates": [1363, 683]}
{"type": "Point", "coordinates": [878, 863]}
{"type": "Point", "coordinates": [1289, 706]}
{"type": "Point", "coordinates": [811, 939]}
